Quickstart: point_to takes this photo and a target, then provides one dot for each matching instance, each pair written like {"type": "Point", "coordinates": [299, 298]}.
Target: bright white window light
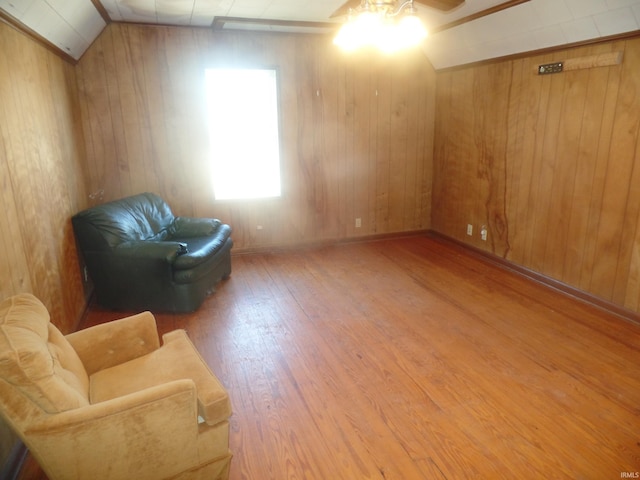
{"type": "Point", "coordinates": [242, 106]}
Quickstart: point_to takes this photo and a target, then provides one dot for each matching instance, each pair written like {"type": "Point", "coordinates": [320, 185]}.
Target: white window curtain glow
{"type": "Point", "coordinates": [242, 108]}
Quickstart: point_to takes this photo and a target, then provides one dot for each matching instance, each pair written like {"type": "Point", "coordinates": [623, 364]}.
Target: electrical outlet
{"type": "Point", "coordinates": [469, 229]}
{"type": "Point", "coordinates": [483, 233]}
{"type": "Point", "coordinates": [358, 222]}
{"type": "Point", "coordinates": [259, 227]}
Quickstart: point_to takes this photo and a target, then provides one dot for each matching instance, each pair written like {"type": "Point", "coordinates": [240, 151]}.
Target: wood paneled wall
{"type": "Point", "coordinates": [40, 188]}
{"type": "Point", "coordinates": [41, 154]}
{"type": "Point", "coordinates": [357, 131]}
{"type": "Point", "coordinates": [550, 164]}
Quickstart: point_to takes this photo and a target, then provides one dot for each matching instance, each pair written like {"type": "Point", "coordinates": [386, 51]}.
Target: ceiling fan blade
{"type": "Point", "coordinates": [344, 9]}
{"type": "Point", "coordinates": [444, 5]}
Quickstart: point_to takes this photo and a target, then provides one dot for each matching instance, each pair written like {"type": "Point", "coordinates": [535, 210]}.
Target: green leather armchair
{"type": "Point", "coordinates": [140, 256]}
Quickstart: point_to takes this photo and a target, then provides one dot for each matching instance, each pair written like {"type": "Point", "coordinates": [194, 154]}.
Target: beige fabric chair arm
{"type": "Point", "coordinates": [213, 400]}
{"type": "Point", "coordinates": [164, 417]}
{"type": "Point", "coordinates": [109, 344]}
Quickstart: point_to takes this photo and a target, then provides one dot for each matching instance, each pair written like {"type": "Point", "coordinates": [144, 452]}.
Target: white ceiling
{"type": "Point", "coordinates": [531, 26]}
{"type": "Point", "coordinates": [72, 25]}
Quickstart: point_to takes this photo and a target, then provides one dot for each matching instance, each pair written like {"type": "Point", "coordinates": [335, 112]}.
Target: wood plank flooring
{"type": "Point", "coordinates": [412, 359]}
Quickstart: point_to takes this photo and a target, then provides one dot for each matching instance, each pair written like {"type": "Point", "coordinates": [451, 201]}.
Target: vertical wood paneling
{"type": "Point", "coordinates": [563, 182]}
{"type": "Point", "coordinates": [516, 201]}
{"type": "Point", "coordinates": [398, 155]}
{"type": "Point", "coordinates": [625, 143]}
{"type": "Point", "coordinates": [381, 131]}
{"type": "Point", "coordinates": [425, 133]}
{"type": "Point", "coordinates": [363, 159]}
{"type": "Point", "coordinates": [41, 163]}
{"type": "Point", "coordinates": [532, 226]}
{"type": "Point", "coordinates": [550, 164]}
{"type": "Point", "coordinates": [350, 126]}
{"type": "Point", "coordinates": [41, 184]}
{"type": "Point", "coordinates": [327, 113]}
{"type": "Point", "coordinates": [594, 88]}
{"type": "Point", "coordinates": [490, 139]}
{"type": "Point", "coordinates": [564, 174]}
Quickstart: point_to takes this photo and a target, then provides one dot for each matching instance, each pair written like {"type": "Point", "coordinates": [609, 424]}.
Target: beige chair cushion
{"type": "Point", "coordinates": [35, 357]}
{"type": "Point", "coordinates": [176, 359]}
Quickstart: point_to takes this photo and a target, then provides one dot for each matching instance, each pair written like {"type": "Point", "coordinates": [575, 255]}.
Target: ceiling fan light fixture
{"type": "Point", "coordinates": [360, 30]}
{"type": "Point", "coordinates": [412, 29]}
{"type": "Point", "coordinates": [382, 28]}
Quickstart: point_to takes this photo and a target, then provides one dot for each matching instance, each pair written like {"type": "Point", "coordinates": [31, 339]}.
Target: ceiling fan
{"type": "Point", "coordinates": [350, 5]}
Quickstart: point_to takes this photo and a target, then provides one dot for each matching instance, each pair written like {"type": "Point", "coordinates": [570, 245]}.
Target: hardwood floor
{"type": "Point", "coordinates": [412, 359]}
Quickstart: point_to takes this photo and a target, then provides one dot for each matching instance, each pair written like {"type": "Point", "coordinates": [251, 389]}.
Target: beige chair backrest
{"type": "Point", "coordinates": [37, 361]}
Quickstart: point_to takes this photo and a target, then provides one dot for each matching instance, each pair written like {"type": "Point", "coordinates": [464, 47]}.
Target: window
{"type": "Point", "coordinates": [242, 108]}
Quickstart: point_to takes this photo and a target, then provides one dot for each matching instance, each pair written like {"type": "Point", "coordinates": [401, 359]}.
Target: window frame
{"type": "Point", "coordinates": [278, 124]}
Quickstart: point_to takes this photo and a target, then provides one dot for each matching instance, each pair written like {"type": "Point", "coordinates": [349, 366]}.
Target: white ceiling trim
{"type": "Point", "coordinates": [72, 25]}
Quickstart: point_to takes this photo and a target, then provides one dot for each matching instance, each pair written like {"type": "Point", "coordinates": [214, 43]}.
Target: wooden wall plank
{"type": "Point", "coordinates": [616, 188]}
{"type": "Point", "coordinates": [603, 164]}
{"type": "Point", "coordinates": [532, 227]}
{"type": "Point", "coordinates": [397, 156]}
{"type": "Point", "coordinates": [14, 263]}
{"type": "Point", "coordinates": [586, 167]}
{"type": "Point", "coordinates": [625, 142]}
{"type": "Point", "coordinates": [518, 173]}
{"type": "Point", "coordinates": [449, 197]}
{"type": "Point", "coordinates": [562, 185]}
{"type": "Point", "coordinates": [572, 205]}
{"type": "Point", "coordinates": [599, 60]}
{"type": "Point", "coordinates": [382, 127]}
{"type": "Point", "coordinates": [362, 158]}
{"type": "Point", "coordinates": [412, 177]}
{"type": "Point", "coordinates": [345, 150]}
{"type": "Point", "coordinates": [41, 167]}
{"type": "Point", "coordinates": [365, 166]}
{"type": "Point", "coordinates": [491, 135]}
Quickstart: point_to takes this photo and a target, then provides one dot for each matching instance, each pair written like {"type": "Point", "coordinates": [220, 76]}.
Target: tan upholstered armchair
{"type": "Point", "coordinates": [109, 402]}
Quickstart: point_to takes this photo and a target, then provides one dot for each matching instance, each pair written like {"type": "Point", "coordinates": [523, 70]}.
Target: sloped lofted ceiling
{"type": "Point", "coordinates": [477, 30]}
